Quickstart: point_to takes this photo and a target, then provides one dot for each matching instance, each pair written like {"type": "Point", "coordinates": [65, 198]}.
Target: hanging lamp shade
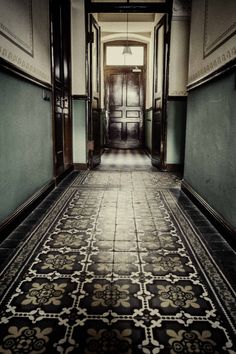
{"type": "Point", "coordinates": [127, 49]}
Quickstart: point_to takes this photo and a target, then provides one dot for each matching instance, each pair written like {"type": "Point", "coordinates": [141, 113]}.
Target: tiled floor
{"type": "Point", "coordinates": [120, 160]}
{"type": "Point", "coordinates": [122, 263]}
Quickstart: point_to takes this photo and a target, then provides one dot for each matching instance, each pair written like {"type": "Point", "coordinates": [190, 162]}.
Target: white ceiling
{"type": "Point", "coordinates": [137, 22]}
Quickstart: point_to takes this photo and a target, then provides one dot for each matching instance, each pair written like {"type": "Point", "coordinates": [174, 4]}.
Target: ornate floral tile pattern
{"type": "Point", "coordinates": [114, 268]}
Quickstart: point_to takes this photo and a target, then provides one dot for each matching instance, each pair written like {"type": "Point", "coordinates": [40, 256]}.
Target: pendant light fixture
{"type": "Point", "coordinates": [127, 49]}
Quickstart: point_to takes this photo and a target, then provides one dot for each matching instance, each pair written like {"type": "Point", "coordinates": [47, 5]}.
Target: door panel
{"type": "Point", "coordinates": [132, 90]}
{"type": "Point", "coordinates": [159, 94]}
{"type": "Point", "coordinates": [115, 130]}
{"type": "Point", "coordinates": [132, 131]}
{"type": "Point", "coordinates": [94, 107]}
{"type": "Point", "coordinates": [116, 90]}
{"type": "Point", "coordinates": [60, 20]}
{"type": "Point", "coordinates": [124, 101]}
{"type": "Point", "coordinates": [58, 121]}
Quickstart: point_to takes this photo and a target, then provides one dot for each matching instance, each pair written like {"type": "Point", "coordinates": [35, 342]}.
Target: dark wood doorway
{"type": "Point", "coordinates": [94, 89]}
{"type": "Point", "coordinates": [160, 93]}
{"type": "Point", "coordinates": [61, 79]}
{"type": "Point", "coordinates": [124, 97]}
{"type": "Point", "coordinates": [159, 103]}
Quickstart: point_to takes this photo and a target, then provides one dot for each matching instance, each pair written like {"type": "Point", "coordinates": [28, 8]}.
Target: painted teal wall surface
{"type": "Point", "coordinates": [210, 154]}
{"type": "Point", "coordinates": [148, 130]}
{"type": "Point", "coordinates": [79, 131]}
{"type": "Point", "coordinates": [176, 125]}
{"type": "Point", "coordinates": [25, 142]}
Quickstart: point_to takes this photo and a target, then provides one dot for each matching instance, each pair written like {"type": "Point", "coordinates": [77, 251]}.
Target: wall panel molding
{"type": "Point", "coordinates": [216, 64]}
{"type": "Point", "coordinates": [25, 36]}
{"type": "Point", "coordinates": [222, 71]}
{"type": "Point", "coordinates": [21, 35]}
{"type": "Point", "coordinates": [177, 97]}
{"type": "Point", "coordinates": [214, 39]}
{"type": "Point", "coordinates": [80, 97]}
{"type": "Point", "coordinates": [16, 71]}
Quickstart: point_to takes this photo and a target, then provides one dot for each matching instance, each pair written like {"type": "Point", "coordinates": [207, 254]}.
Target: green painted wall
{"type": "Point", "coordinates": [210, 155]}
{"type": "Point", "coordinates": [176, 125]}
{"type": "Point", "coordinates": [79, 131]}
{"type": "Point", "coordinates": [148, 130]}
{"type": "Point", "coordinates": [25, 142]}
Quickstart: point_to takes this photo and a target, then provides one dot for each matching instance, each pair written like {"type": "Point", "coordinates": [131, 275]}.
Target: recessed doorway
{"type": "Point", "coordinates": [124, 94]}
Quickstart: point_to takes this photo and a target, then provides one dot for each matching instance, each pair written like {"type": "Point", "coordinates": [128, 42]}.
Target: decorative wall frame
{"type": "Point", "coordinates": [216, 35]}
{"type": "Point", "coordinates": [18, 32]}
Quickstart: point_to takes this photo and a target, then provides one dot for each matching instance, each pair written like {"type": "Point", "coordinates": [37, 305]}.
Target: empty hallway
{"type": "Point", "coordinates": [118, 177]}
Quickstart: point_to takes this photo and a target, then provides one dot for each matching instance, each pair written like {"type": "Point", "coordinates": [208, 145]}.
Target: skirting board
{"type": "Point", "coordinates": [80, 166]}
{"type": "Point", "coordinates": [227, 230]}
{"type": "Point", "coordinates": [68, 170]}
{"type": "Point", "coordinates": [174, 167]}
{"type": "Point", "coordinates": [10, 223]}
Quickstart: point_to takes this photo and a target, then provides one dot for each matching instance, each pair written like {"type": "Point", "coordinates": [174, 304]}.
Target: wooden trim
{"type": "Point", "coordinates": [166, 23]}
{"type": "Point", "coordinates": [150, 109]}
{"type": "Point", "coordinates": [53, 86]}
{"type": "Point", "coordinates": [11, 222]}
{"type": "Point", "coordinates": [60, 177]}
{"type": "Point", "coordinates": [17, 72]}
{"type": "Point", "coordinates": [227, 230]}
{"type": "Point", "coordinates": [174, 167]}
{"type": "Point", "coordinates": [177, 98]}
{"type": "Point", "coordinates": [80, 97]}
{"type": "Point", "coordinates": [80, 166]}
{"type": "Point", "coordinates": [98, 7]}
{"type": "Point", "coordinates": [221, 72]}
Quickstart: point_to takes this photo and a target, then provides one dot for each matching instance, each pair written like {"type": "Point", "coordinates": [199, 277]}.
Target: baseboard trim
{"type": "Point", "coordinates": [59, 178]}
{"type": "Point", "coordinates": [11, 222]}
{"type": "Point", "coordinates": [147, 151]}
{"type": "Point", "coordinates": [174, 167]}
{"type": "Point", "coordinates": [227, 230]}
{"type": "Point", "coordinates": [80, 166]}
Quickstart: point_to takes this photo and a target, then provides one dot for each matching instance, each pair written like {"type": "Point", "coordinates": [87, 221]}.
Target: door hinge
{"type": "Point", "coordinates": [90, 37]}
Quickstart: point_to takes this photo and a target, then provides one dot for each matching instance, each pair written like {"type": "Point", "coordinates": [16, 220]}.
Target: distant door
{"type": "Point", "coordinates": [159, 94]}
{"type": "Point", "coordinates": [60, 16]}
{"type": "Point", "coordinates": [124, 105]}
{"type": "Point", "coordinates": [94, 106]}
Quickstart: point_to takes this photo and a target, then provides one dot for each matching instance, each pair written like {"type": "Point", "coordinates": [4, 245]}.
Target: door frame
{"type": "Point", "coordinates": [164, 8]}
{"type": "Point", "coordinates": [164, 98]}
{"type": "Point", "coordinates": [65, 103]}
{"type": "Point", "coordinates": [127, 68]}
{"type": "Point", "coordinates": [93, 144]}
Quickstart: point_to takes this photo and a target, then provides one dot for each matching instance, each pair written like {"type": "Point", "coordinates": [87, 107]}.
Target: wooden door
{"type": "Point", "coordinates": [159, 94]}
{"type": "Point", "coordinates": [60, 24]}
{"type": "Point", "coordinates": [94, 106]}
{"type": "Point", "coordinates": [124, 105]}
